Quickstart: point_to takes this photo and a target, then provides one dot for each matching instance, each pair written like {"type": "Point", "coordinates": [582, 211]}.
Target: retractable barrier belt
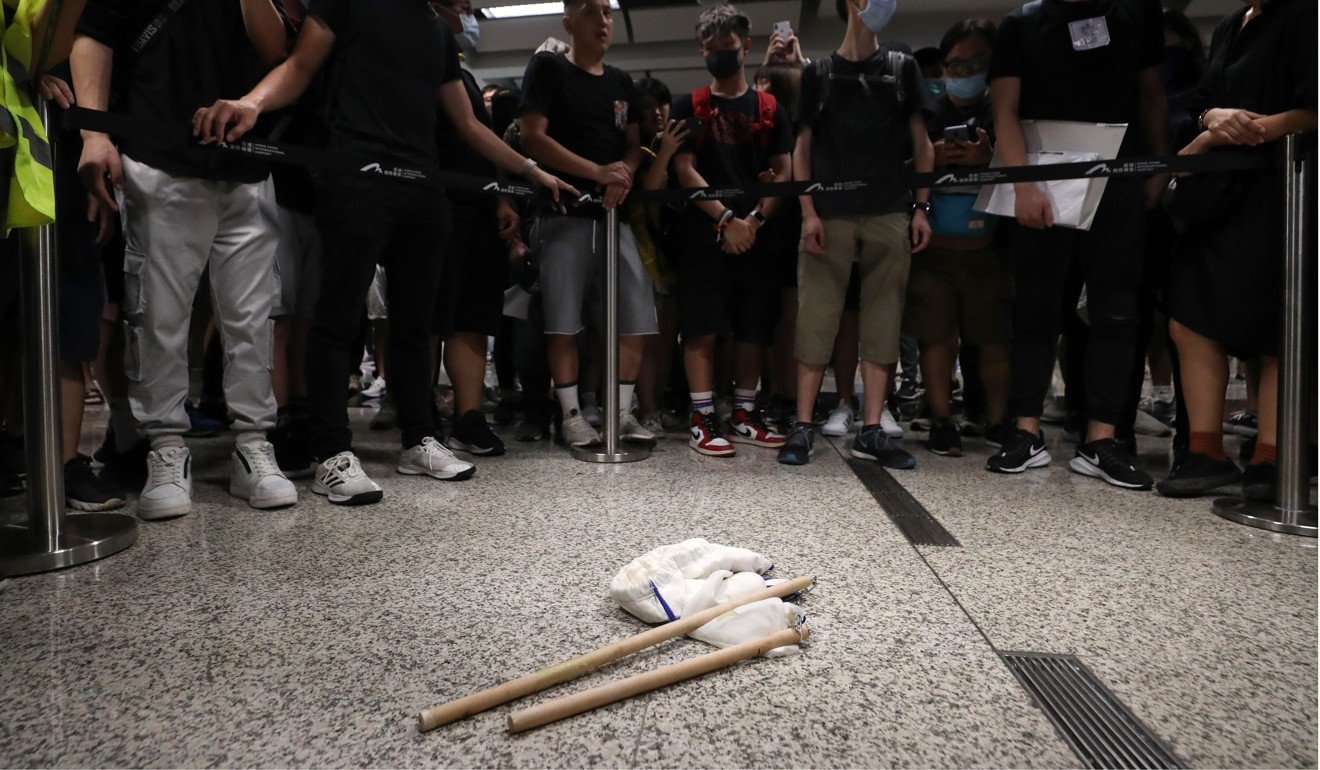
{"type": "Point", "coordinates": [166, 135]}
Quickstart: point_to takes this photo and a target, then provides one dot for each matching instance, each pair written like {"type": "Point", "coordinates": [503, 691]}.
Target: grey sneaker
{"type": "Point", "coordinates": [577, 431]}
{"type": "Point", "coordinates": [631, 430]}
{"type": "Point", "coordinates": [387, 417]}
{"type": "Point", "coordinates": [652, 423]}
{"type": "Point", "coordinates": [799, 445]}
{"type": "Point", "coordinates": [872, 444]}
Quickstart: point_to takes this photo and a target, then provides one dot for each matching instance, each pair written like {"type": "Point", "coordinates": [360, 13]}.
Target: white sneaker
{"type": "Point", "coordinates": [631, 430]}
{"type": "Point", "coordinates": [341, 479]}
{"type": "Point", "coordinates": [840, 421]}
{"type": "Point", "coordinates": [653, 424]}
{"type": "Point", "coordinates": [577, 431]}
{"type": "Point", "coordinates": [887, 424]}
{"type": "Point", "coordinates": [431, 458]}
{"type": "Point", "coordinates": [168, 492]}
{"type": "Point", "coordinates": [376, 389]}
{"type": "Point", "coordinates": [257, 477]}
{"type": "Point", "coordinates": [593, 415]}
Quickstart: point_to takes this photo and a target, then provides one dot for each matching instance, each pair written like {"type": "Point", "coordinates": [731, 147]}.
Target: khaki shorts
{"type": "Point", "coordinates": [883, 257]}
{"type": "Point", "coordinates": [958, 295]}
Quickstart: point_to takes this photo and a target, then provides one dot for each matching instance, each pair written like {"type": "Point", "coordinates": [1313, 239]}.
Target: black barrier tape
{"type": "Point", "coordinates": [324, 160]}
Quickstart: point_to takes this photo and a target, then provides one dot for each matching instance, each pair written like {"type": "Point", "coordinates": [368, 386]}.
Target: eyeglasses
{"type": "Point", "coordinates": [964, 67]}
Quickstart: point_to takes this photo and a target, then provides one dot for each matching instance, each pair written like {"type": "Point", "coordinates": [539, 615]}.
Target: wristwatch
{"type": "Point", "coordinates": [922, 206]}
{"type": "Point", "coordinates": [759, 217]}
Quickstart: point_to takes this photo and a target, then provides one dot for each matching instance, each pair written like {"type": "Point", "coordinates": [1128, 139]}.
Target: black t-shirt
{"type": "Point", "coordinates": [391, 58]}
{"type": "Point", "coordinates": [862, 129]}
{"type": "Point", "coordinates": [456, 154]}
{"type": "Point", "coordinates": [1080, 60]}
{"type": "Point", "coordinates": [200, 54]}
{"type": "Point", "coordinates": [588, 114]}
{"type": "Point", "coordinates": [728, 149]}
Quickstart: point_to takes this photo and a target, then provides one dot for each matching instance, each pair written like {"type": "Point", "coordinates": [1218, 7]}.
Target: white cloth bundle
{"type": "Point", "coordinates": [674, 581]}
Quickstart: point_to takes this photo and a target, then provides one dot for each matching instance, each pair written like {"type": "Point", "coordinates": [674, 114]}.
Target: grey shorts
{"type": "Point", "coordinates": [572, 257]}
{"type": "Point", "coordinates": [297, 256]}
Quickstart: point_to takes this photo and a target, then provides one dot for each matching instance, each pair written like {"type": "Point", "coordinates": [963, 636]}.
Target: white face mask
{"type": "Point", "coordinates": [471, 34]}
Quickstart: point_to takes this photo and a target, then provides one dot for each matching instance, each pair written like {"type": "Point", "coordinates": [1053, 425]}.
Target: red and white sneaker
{"type": "Point", "coordinates": [750, 428]}
{"type": "Point", "coordinates": [707, 438]}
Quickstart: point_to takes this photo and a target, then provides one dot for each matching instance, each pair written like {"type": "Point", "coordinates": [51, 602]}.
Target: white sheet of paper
{"type": "Point", "coordinates": [1067, 195]}
{"type": "Point", "coordinates": [1095, 141]}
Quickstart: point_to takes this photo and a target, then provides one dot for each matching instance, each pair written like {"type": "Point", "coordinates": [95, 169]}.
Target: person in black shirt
{"type": "Point", "coordinates": [1091, 61]}
{"type": "Point", "coordinates": [1259, 87]}
{"type": "Point", "coordinates": [186, 210]}
{"type": "Point", "coordinates": [958, 289]}
{"type": "Point", "coordinates": [860, 115]}
{"type": "Point", "coordinates": [725, 277]}
{"type": "Point", "coordinates": [392, 62]}
{"type": "Point", "coordinates": [579, 119]}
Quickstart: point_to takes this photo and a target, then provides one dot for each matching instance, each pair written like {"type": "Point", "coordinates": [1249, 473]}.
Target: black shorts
{"type": "Point", "coordinates": [720, 292]}
{"type": "Point", "coordinates": [81, 277]}
{"type": "Point", "coordinates": [471, 297]}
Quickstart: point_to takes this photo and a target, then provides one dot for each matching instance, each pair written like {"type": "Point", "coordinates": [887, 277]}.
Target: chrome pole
{"type": "Point", "coordinates": [611, 452]}
{"type": "Point", "coordinates": [51, 540]}
{"type": "Point", "coordinates": [1292, 512]}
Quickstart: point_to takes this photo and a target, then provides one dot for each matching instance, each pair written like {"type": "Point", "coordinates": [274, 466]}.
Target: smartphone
{"type": "Point", "coordinates": [784, 28]}
{"type": "Point", "coordinates": [955, 133]}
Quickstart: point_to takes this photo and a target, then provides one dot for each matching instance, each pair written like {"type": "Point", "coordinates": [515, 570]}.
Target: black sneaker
{"type": "Point", "coordinates": [1260, 482]}
{"type": "Point", "coordinates": [293, 455]}
{"type": "Point", "coordinates": [945, 440]}
{"type": "Point", "coordinates": [872, 444]}
{"type": "Point", "coordinates": [1196, 474]}
{"type": "Point", "coordinates": [998, 433]}
{"type": "Point", "coordinates": [471, 433]}
{"type": "Point", "coordinates": [1021, 450]}
{"type": "Point", "coordinates": [127, 470]}
{"type": "Point", "coordinates": [84, 492]}
{"type": "Point", "coordinates": [801, 442]}
{"type": "Point", "coordinates": [532, 430]}
{"type": "Point", "coordinates": [506, 411]}
{"type": "Point", "coordinates": [1109, 460]}
{"type": "Point", "coordinates": [908, 390]}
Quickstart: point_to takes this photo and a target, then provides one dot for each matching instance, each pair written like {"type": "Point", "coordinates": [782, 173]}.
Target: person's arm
{"type": "Point", "coordinates": [1223, 128]}
{"type": "Point", "coordinates": [265, 29]}
{"type": "Point", "coordinates": [454, 99]}
{"type": "Point", "coordinates": [671, 138]}
{"type": "Point", "coordinates": [813, 232]}
{"type": "Point", "coordinates": [229, 119]}
{"type": "Point", "coordinates": [923, 162]}
{"type": "Point", "coordinates": [62, 44]}
{"type": "Point", "coordinates": [1031, 206]}
{"type": "Point", "coordinates": [782, 167]}
{"type": "Point", "coordinates": [738, 234]}
{"type": "Point", "coordinates": [92, 62]}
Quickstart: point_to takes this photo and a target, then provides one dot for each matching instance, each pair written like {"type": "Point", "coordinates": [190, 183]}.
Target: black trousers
{"type": "Point", "coordinates": [1108, 258]}
{"type": "Point", "coordinates": [403, 227]}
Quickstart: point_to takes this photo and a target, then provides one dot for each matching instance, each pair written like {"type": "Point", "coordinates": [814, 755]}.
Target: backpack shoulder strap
{"type": "Point", "coordinates": [896, 62]}
{"type": "Point", "coordinates": [766, 106]}
{"type": "Point", "coordinates": [825, 74]}
{"type": "Point", "coordinates": [701, 103]}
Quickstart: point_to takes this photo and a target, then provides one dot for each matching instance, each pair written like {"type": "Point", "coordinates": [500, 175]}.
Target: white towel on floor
{"type": "Point", "coordinates": [674, 581]}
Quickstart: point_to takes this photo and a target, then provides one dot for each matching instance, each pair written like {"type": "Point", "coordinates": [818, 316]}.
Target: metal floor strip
{"type": "Point", "coordinates": [910, 516]}
{"type": "Point", "coordinates": [1102, 731]}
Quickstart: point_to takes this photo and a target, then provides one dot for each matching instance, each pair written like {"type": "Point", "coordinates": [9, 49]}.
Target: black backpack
{"type": "Point", "coordinates": [893, 77]}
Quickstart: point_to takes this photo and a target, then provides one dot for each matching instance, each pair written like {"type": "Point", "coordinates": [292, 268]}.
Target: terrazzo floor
{"type": "Point", "coordinates": [313, 636]}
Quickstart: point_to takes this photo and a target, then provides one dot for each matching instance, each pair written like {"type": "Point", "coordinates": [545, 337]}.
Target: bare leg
{"type": "Point", "coordinates": [1204, 369]}
{"type": "Point", "coordinates": [809, 378]}
{"type": "Point", "coordinates": [279, 373]}
{"type": "Point", "coordinates": [746, 365]}
{"type": "Point", "coordinates": [562, 350]}
{"type": "Point", "coordinates": [996, 373]}
{"type": "Point", "coordinates": [465, 361]}
{"type": "Point", "coordinates": [699, 363]}
{"type": "Point", "coordinates": [1267, 416]}
{"type": "Point", "coordinates": [785, 367]}
{"type": "Point", "coordinates": [937, 372]}
{"type": "Point", "coordinates": [71, 407]}
{"type": "Point", "coordinates": [875, 384]}
{"type": "Point", "coordinates": [846, 355]}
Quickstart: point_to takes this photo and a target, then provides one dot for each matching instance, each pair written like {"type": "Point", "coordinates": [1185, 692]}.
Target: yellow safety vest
{"type": "Point", "coordinates": [31, 185]}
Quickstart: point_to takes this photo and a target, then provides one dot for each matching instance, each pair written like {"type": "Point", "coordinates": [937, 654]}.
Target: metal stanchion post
{"type": "Point", "coordinates": [51, 540]}
{"type": "Point", "coordinates": [1292, 513]}
{"type": "Point", "coordinates": [611, 452]}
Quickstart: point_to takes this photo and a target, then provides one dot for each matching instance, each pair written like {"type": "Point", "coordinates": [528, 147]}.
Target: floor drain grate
{"type": "Point", "coordinates": [910, 516]}
{"type": "Point", "coordinates": [1102, 731]}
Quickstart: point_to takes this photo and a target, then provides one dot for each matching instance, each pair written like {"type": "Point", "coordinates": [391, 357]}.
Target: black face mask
{"type": "Point", "coordinates": [723, 64]}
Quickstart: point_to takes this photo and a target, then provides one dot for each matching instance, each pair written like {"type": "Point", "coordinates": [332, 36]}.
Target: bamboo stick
{"type": "Point", "coordinates": [583, 664]}
{"type": "Point", "coordinates": [571, 705]}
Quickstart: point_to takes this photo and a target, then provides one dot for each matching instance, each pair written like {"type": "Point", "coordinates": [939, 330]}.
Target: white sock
{"type": "Point", "coordinates": [744, 399]}
{"type": "Point", "coordinates": [626, 394]}
{"type": "Point", "coordinates": [167, 441]}
{"type": "Point", "coordinates": [703, 402]}
{"type": "Point", "coordinates": [249, 438]}
{"type": "Point", "coordinates": [1162, 392]}
{"type": "Point", "coordinates": [568, 397]}
{"type": "Point", "coordinates": [125, 425]}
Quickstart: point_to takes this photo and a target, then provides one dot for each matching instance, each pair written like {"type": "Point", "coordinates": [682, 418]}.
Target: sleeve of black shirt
{"type": "Point", "coordinates": [335, 13]}
{"type": "Point", "coordinates": [541, 83]}
{"type": "Point", "coordinates": [634, 114]}
{"type": "Point", "coordinates": [1207, 90]}
{"type": "Point", "coordinates": [915, 83]}
{"type": "Point", "coordinates": [1152, 35]}
{"type": "Point", "coordinates": [105, 22]}
{"type": "Point", "coordinates": [681, 111]}
{"type": "Point", "coordinates": [1006, 62]}
{"type": "Point", "coordinates": [781, 141]}
{"type": "Point", "coordinates": [1301, 58]}
{"type": "Point", "coordinates": [808, 96]}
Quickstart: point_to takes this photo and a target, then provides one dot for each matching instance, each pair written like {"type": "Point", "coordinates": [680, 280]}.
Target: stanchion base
{"type": "Point", "coordinates": [85, 537]}
{"type": "Point", "coordinates": [597, 454]}
{"type": "Point", "coordinates": [1265, 516]}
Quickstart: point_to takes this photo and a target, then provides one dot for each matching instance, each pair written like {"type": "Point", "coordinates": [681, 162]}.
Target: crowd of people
{"type": "Point", "coordinates": [732, 312]}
